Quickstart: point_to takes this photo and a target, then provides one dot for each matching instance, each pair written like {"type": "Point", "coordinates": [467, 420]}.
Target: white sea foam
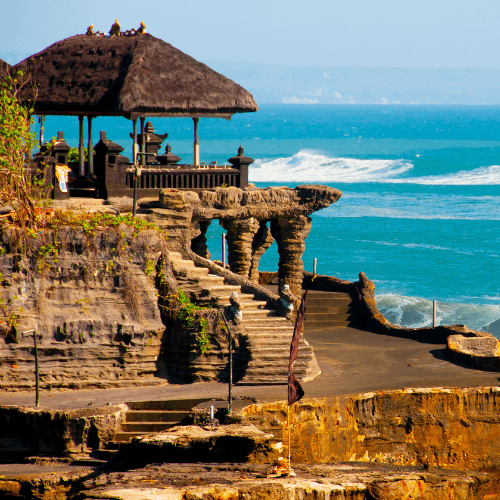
{"type": "Point", "coordinates": [308, 166]}
{"type": "Point", "coordinates": [483, 176]}
{"type": "Point", "coordinates": [311, 166]}
{"type": "Point", "coordinates": [416, 312]}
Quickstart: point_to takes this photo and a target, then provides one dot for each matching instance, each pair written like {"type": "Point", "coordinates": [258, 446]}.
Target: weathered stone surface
{"type": "Point", "coordinates": [32, 431]}
{"type": "Point", "coordinates": [245, 213]}
{"type": "Point", "coordinates": [261, 242]}
{"type": "Point", "coordinates": [454, 428]}
{"type": "Point", "coordinates": [477, 352]}
{"type": "Point", "coordinates": [290, 234]}
{"type": "Point", "coordinates": [92, 298]}
{"type": "Point", "coordinates": [240, 237]}
{"type": "Point", "coordinates": [345, 481]}
{"type": "Point", "coordinates": [191, 443]}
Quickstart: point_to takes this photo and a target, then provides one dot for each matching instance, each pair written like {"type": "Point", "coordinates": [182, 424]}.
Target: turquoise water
{"type": "Point", "coordinates": [420, 211]}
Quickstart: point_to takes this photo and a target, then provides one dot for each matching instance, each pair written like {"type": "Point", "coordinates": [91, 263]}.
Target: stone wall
{"type": "Point", "coordinates": [451, 428]}
{"type": "Point", "coordinates": [33, 431]}
{"type": "Point", "coordinates": [91, 297]}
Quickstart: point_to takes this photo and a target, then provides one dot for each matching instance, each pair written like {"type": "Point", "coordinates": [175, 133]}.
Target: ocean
{"type": "Point", "coordinates": [420, 211]}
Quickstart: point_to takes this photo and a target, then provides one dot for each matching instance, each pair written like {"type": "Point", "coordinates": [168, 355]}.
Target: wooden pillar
{"type": "Point", "coordinates": [90, 147]}
{"type": "Point", "coordinates": [81, 149]}
{"type": "Point", "coordinates": [41, 119]}
{"type": "Point", "coordinates": [196, 146]}
{"type": "Point", "coordinates": [143, 142]}
{"type": "Point", "coordinates": [134, 162]}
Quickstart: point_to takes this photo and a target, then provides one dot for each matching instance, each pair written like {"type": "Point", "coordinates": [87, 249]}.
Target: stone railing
{"type": "Point", "coordinates": [184, 177]}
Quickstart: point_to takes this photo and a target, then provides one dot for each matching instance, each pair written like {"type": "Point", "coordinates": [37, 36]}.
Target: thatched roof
{"type": "Point", "coordinates": [129, 76]}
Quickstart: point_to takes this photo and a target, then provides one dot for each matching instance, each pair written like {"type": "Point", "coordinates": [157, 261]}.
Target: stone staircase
{"type": "Point", "coordinates": [268, 335]}
{"type": "Point", "coordinates": [150, 417]}
{"type": "Point", "coordinates": [327, 310]}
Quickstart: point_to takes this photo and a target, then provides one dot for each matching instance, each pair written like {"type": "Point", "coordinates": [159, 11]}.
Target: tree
{"type": "Point", "coordinates": [21, 184]}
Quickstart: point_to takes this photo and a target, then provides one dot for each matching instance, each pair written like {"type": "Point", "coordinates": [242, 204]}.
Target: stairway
{"type": "Point", "coordinates": [327, 310]}
{"type": "Point", "coordinates": [268, 335]}
{"type": "Point", "coordinates": [150, 417]}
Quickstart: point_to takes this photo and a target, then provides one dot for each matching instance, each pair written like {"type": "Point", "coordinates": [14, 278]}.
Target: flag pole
{"type": "Point", "coordinates": [289, 439]}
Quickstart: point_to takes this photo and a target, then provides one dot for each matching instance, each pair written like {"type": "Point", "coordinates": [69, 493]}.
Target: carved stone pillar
{"type": "Point", "coordinates": [240, 237]}
{"type": "Point", "coordinates": [261, 242]}
{"type": "Point", "coordinates": [199, 242]}
{"type": "Point", "coordinates": [290, 235]}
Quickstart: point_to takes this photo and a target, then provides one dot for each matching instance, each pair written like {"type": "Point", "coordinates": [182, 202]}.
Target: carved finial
{"type": "Point", "coordinates": [142, 28]}
{"type": "Point", "coordinates": [90, 30]}
{"type": "Point", "coordinates": [241, 150]}
{"type": "Point", "coordinates": [115, 29]}
{"type": "Point", "coordinates": [168, 149]}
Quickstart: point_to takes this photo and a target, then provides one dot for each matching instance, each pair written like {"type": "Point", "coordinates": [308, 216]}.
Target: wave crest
{"type": "Point", "coordinates": [310, 166]}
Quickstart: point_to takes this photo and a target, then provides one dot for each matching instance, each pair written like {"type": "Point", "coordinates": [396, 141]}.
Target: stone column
{"type": "Point", "coordinates": [290, 234]}
{"type": "Point", "coordinates": [199, 242]}
{"type": "Point", "coordinates": [261, 242]}
{"type": "Point", "coordinates": [240, 237]}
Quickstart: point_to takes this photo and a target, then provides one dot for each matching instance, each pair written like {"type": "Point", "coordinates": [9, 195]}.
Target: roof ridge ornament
{"type": "Point", "coordinates": [115, 31]}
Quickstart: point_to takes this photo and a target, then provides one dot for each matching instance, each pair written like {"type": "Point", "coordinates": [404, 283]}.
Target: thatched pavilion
{"type": "Point", "coordinates": [130, 74]}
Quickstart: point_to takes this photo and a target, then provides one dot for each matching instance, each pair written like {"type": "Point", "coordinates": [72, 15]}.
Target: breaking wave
{"type": "Point", "coordinates": [416, 312]}
{"type": "Point", "coordinates": [309, 166]}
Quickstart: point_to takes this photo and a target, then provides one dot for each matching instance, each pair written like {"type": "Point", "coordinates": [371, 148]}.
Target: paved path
{"type": "Point", "coordinates": [352, 361]}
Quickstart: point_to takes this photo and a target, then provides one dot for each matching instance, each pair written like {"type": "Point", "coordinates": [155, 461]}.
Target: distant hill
{"type": "Point", "coordinates": [343, 85]}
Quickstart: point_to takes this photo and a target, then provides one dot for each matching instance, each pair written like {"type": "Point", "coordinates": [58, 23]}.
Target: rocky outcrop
{"type": "Point", "coordinates": [441, 427]}
{"type": "Point", "coordinates": [237, 442]}
{"type": "Point", "coordinates": [250, 216]}
{"type": "Point", "coordinates": [33, 431]}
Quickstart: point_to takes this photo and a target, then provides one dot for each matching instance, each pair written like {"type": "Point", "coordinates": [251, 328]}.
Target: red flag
{"type": "Point", "coordinates": [295, 391]}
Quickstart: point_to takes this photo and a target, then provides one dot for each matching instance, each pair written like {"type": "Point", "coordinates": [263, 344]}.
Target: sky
{"type": "Point", "coordinates": [367, 33]}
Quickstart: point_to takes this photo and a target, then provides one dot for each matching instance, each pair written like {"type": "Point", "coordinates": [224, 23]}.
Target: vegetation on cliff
{"type": "Point", "coordinates": [21, 189]}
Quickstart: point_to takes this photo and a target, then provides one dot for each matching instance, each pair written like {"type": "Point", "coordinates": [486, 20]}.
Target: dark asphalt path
{"type": "Point", "coordinates": [352, 361]}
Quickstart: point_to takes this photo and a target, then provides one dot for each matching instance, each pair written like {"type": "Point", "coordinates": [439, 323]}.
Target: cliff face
{"type": "Point", "coordinates": [451, 428]}
{"type": "Point", "coordinates": [91, 297]}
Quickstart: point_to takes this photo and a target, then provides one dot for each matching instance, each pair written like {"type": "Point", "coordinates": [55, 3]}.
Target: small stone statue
{"type": "Point", "coordinates": [142, 29]}
{"type": "Point", "coordinates": [236, 308]}
{"type": "Point", "coordinates": [90, 30]}
{"type": "Point", "coordinates": [241, 151]}
{"type": "Point", "coordinates": [115, 29]}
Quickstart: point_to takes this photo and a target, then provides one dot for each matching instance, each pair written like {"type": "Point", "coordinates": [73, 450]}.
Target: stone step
{"type": "Point", "coordinates": [262, 314]}
{"type": "Point", "coordinates": [169, 404]}
{"type": "Point", "coordinates": [146, 427]}
{"type": "Point", "coordinates": [317, 294]}
{"type": "Point", "coordinates": [195, 271]}
{"type": "Point", "coordinates": [124, 437]}
{"type": "Point", "coordinates": [268, 328]}
{"type": "Point", "coordinates": [268, 321]}
{"type": "Point", "coordinates": [330, 309]}
{"type": "Point", "coordinates": [327, 317]}
{"type": "Point", "coordinates": [155, 416]}
{"type": "Point", "coordinates": [325, 325]}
